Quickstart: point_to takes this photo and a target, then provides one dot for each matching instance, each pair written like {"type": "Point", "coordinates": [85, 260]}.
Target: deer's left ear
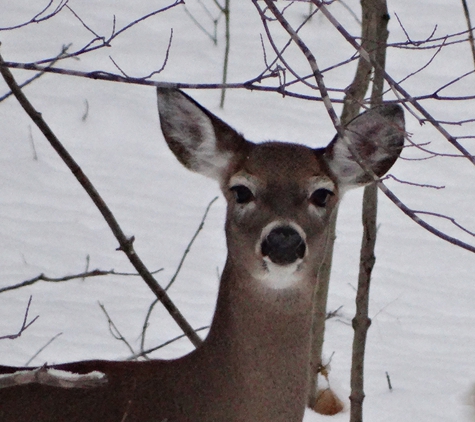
{"type": "Point", "coordinates": [377, 136]}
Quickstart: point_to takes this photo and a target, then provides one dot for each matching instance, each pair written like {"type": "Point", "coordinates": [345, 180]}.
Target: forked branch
{"type": "Point", "coordinates": [25, 325]}
{"type": "Point", "coordinates": [126, 243]}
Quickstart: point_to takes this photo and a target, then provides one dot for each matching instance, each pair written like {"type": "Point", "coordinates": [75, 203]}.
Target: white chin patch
{"type": "Point", "coordinates": [280, 277]}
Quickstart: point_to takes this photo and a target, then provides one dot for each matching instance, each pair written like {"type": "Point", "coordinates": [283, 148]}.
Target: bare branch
{"type": "Point", "coordinates": [126, 243]}
{"type": "Point", "coordinates": [83, 275]}
{"type": "Point", "coordinates": [251, 84]}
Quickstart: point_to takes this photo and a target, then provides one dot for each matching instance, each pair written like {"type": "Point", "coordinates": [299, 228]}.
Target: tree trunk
{"type": "Point", "coordinates": [351, 108]}
{"type": "Point", "coordinates": [361, 322]}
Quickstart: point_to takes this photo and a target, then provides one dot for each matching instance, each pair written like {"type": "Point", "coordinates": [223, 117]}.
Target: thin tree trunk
{"type": "Point", "coordinates": [361, 322]}
{"type": "Point", "coordinates": [351, 108]}
{"type": "Point", "coordinates": [226, 11]}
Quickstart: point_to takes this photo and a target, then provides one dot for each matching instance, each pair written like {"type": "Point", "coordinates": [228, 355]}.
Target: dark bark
{"type": "Point", "coordinates": [377, 17]}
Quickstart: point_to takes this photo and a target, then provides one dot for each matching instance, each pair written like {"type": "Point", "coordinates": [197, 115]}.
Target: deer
{"type": "Point", "coordinates": [253, 365]}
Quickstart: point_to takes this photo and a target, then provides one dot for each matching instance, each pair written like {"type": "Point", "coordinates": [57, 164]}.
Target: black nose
{"type": "Point", "coordinates": [283, 245]}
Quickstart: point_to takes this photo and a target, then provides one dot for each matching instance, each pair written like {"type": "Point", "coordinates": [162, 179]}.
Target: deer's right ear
{"type": "Point", "coordinates": [376, 136]}
{"type": "Point", "coordinates": [201, 141]}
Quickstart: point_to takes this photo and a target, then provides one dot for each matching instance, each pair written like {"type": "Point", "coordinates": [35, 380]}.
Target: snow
{"type": "Point", "coordinates": [423, 289]}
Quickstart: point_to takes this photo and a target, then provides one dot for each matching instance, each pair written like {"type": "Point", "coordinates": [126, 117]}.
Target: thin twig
{"type": "Point", "coordinates": [213, 37]}
{"type": "Point", "coordinates": [309, 56]}
{"type": "Point", "coordinates": [84, 24]}
{"type": "Point", "coordinates": [227, 36]}
{"type": "Point", "coordinates": [406, 182]}
{"type": "Point", "coordinates": [114, 330]}
{"type": "Point", "coordinates": [24, 325]}
{"type": "Point", "coordinates": [144, 353]}
{"type": "Point", "coordinates": [190, 244]}
{"type": "Point", "coordinates": [177, 271]}
{"type": "Point", "coordinates": [43, 348]}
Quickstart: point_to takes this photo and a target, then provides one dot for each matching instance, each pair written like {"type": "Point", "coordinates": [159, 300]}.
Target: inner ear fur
{"type": "Point", "coordinates": [376, 137]}
{"type": "Point", "coordinates": [199, 139]}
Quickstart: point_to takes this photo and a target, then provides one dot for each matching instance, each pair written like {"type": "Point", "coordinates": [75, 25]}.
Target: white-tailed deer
{"type": "Point", "coordinates": [253, 365]}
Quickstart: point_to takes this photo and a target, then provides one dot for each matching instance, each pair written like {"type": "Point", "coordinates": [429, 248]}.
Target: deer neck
{"type": "Point", "coordinates": [262, 337]}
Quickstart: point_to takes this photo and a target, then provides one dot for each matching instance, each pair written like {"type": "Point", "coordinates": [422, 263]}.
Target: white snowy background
{"type": "Point", "coordinates": [423, 289]}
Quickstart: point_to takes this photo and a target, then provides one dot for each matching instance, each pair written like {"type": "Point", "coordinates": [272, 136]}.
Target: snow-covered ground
{"type": "Point", "coordinates": [423, 290]}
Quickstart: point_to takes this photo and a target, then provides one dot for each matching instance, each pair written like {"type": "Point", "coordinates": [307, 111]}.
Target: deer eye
{"type": "Point", "coordinates": [320, 197]}
{"type": "Point", "coordinates": [242, 194]}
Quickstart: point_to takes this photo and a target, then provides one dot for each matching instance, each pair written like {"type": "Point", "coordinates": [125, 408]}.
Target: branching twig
{"type": "Point", "coordinates": [280, 52]}
{"type": "Point", "coordinates": [38, 18]}
{"type": "Point", "coordinates": [24, 325]}
{"type": "Point", "coordinates": [101, 41]}
{"type": "Point", "coordinates": [212, 36]}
